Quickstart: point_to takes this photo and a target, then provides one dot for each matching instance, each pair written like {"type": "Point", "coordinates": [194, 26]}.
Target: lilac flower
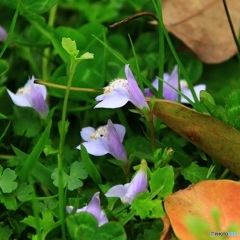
{"type": "Point", "coordinates": [31, 95]}
{"type": "Point", "coordinates": [94, 208]}
{"type": "Point", "coordinates": [120, 91]}
{"type": "Point", "coordinates": [3, 34]}
{"type": "Point", "coordinates": [105, 139]}
{"type": "Point", "coordinates": [127, 192]}
{"type": "Point", "coordinates": [171, 94]}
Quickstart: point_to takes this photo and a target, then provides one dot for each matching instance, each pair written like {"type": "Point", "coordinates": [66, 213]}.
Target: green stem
{"type": "Point", "coordinates": [73, 66]}
{"type": "Point", "coordinates": [46, 52]}
{"type": "Point", "coordinates": [53, 85]}
{"type": "Point", "coordinates": [158, 8]}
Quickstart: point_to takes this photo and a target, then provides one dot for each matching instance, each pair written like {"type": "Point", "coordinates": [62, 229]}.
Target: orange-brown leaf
{"type": "Point", "coordinates": [198, 200]}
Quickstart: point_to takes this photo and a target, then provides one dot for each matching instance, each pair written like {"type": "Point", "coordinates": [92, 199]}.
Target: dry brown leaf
{"type": "Point", "coordinates": [203, 26]}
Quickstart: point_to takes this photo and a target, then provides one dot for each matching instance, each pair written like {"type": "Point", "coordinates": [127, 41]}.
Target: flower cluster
{"type": "Point", "coordinates": [31, 95]}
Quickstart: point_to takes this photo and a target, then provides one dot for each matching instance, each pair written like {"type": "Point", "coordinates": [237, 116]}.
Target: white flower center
{"type": "Point", "coordinates": [118, 83]}
{"type": "Point", "coordinates": [183, 84]}
{"type": "Point", "coordinates": [101, 132]}
{"type": "Point", "coordinates": [24, 90]}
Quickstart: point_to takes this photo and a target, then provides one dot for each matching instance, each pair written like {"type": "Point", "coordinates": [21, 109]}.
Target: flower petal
{"type": "Point", "coordinates": [135, 93]}
{"type": "Point", "coordinates": [116, 191]}
{"type": "Point", "coordinates": [168, 92]}
{"type": "Point", "coordinates": [95, 147]}
{"type": "Point", "coordinates": [114, 143]}
{"type": "Point", "coordinates": [115, 99]}
{"type": "Point", "coordinates": [94, 206]}
{"type": "Point", "coordinates": [121, 131]}
{"type": "Point", "coordinates": [19, 99]}
{"type": "Point", "coordinates": [188, 93]}
{"type": "Point", "coordinates": [86, 133]}
{"type": "Point", "coordinates": [103, 219]}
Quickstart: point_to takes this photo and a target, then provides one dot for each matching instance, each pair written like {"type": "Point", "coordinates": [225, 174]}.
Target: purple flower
{"type": "Point", "coordinates": [127, 192]}
{"type": "Point", "coordinates": [105, 139]}
{"type": "Point", "coordinates": [31, 95]}
{"type": "Point", "coordinates": [120, 91]}
{"type": "Point", "coordinates": [3, 34]}
{"type": "Point", "coordinates": [171, 94]}
{"type": "Point", "coordinates": [94, 208]}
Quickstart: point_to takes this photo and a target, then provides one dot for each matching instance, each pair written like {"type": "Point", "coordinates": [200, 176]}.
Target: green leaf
{"type": "Point", "coordinates": [7, 178]}
{"type": "Point", "coordinates": [195, 173]}
{"type": "Point", "coordinates": [54, 177]}
{"type": "Point", "coordinates": [77, 172]}
{"type": "Point", "coordinates": [82, 226]}
{"type": "Point", "coordinates": [5, 232]}
{"type": "Point", "coordinates": [233, 109]}
{"type": "Point", "coordinates": [72, 181]}
{"type": "Point", "coordinates": [9, 201]}
{"type": "Point", "coordinates": [213, 136]}
{"type": "Point", "coordinates": [30, 127]}
{"type": "Point", "coordinates": [47, 223]}
{"type": "Point", "coordinates": [24, 192]}
{"type": "Point", "coordinates": [162, 178]}
{"type": "Point", "coordinates": [214, 110]}
{"type": "Point", "coordinates": [39, 6]}
{"type": "Point", "coordinates": [3, 67]}
{"type": "Point", "coordinates": [70, 46]}
{"type": "Point", "coordinates": [146, 207]}
{"type": "Point", "coordinates": [91, 168]}
{"type": "Point", "coordinates": [32, 159]}
{"type": "Point", "coordinates": [111, 230]}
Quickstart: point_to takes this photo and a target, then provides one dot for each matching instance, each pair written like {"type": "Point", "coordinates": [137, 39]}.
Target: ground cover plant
{"type": "Point", "coordinates": [115, 124]}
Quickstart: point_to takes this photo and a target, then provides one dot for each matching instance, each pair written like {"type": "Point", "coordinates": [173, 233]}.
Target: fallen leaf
{"type": "Point", "coordinates": [199, 200]}
{"type": "Point", "coordinates": [216, 138]}
{"type": "Point", "coordinates": [203, 26]}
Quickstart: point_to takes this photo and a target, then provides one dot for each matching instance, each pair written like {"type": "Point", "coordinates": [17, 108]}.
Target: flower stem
{"type": "Point", "coordinates": [53, 85]}
{"type": "Point", "coordinates": [152, 131]}
{"type": "Point", "coordinates": [61, 146]}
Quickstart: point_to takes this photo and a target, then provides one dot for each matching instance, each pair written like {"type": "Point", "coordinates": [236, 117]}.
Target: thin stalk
{"type": "Point", "coordinates": [46, 52]}
{"type": "Point", "coordinates": [152, 131]}
{"type": "Point", "coordinates": [61, 194]}
{"type": "Point", "coordinates": [158, 9]}
{"type": "Point", "coordinates": [53, 85]}
{"type": "Point", "coordinates": [232, 27]}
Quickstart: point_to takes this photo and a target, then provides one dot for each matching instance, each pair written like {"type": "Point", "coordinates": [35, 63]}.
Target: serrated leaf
{"type": "Point", "coordinates": [7, 178]}
{"type": "Point", "coordinates": [54, 177]}
{"type": "Point", "coordinates": [77, 172]}
{"type": "Point", "coordinates": [162, 178]}
{"type": "Point", "coordinates": [146, 207]}
{"type": "Point", "coordinates": [195, 173]}
{"type": "Point", "coordinates": [72, 181]}
{"type": "Point", "coordinates": [9, 201]}
{"type": "Point", "coordinates": [213, 136]}
{"type": "Point", "coordinates": [24, 192]}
